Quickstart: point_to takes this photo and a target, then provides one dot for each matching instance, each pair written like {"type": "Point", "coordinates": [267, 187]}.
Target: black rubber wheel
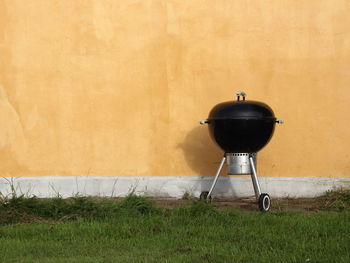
{"type": "Point", "coordinates": [264, 202]}
{"type": "Point", "coordinates": [204, 196]}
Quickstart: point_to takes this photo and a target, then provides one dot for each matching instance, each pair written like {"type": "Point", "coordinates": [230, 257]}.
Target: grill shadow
{"type": "Point", "coordinates": [204, 157]}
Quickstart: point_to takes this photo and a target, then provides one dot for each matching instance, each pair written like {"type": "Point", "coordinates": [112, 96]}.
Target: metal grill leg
{"type": "Point", "coordinates": [216, 176]}
{"type": "Point", "coordinates": [255, 179]}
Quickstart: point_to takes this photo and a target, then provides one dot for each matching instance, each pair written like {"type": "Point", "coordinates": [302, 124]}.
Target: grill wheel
{"type": "Point", "coordinates": [204, 197]}
{"type": "Point", "coordinates": [264, 202]}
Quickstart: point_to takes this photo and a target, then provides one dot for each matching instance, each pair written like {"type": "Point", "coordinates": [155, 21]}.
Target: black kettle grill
{"type": "Point", "coordinates": [241, 128]}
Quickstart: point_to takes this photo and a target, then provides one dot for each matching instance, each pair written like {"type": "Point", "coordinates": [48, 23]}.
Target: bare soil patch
{"type": "Point", "coordinates": [249, 203]}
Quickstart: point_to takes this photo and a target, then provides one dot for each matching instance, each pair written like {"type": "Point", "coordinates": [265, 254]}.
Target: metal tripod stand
{"type": "Point", "coordinates": [262, 199]}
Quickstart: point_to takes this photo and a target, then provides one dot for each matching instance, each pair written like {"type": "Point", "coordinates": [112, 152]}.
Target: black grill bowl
{"type": "Point", "coordinates": [242, 135]}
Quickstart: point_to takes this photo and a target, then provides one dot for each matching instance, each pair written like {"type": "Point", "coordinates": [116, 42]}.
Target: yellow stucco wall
{"type": "Point", "coordinates": [117, 87]}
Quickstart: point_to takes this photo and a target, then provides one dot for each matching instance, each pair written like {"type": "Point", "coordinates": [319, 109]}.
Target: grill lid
{"type": "Point", "coordinates": [241, 109]}
{"type": "Point", "coordinates": [247, 109]}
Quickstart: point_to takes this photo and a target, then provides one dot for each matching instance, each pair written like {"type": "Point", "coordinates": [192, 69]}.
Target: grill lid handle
{"type": "Point", "coordinates": [202, 122]}
{"type": "Point", "coordinates": [239, 94]}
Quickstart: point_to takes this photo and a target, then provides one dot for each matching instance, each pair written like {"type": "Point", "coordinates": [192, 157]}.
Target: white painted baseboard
{"type": "Point", "coordinates": [66, 186]}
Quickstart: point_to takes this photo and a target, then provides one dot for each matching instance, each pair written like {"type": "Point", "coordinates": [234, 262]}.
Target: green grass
{"type": "Point", "coordinates": [135, 230]}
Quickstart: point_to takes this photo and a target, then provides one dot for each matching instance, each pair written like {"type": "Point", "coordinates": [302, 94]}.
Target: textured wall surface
{"type": "Point", "coordinates": [117, 88]}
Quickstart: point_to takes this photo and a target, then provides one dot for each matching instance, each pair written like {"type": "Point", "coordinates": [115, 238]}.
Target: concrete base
{"type": "Point", "coordinates": [66, 186]}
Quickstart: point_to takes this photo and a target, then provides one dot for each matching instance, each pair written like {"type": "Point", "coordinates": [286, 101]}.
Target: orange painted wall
{"type": "Point", "coordinates": [117, 88]}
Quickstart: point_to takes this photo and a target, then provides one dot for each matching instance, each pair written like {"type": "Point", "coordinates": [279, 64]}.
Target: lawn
{"type": "Point", "coordinates": [135, 230]}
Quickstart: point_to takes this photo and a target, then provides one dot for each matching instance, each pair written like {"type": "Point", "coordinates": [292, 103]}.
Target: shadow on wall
{"type": "Point", "coordinates": [203, 157]}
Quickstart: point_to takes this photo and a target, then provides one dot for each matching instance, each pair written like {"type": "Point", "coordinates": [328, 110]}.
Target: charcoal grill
{"type": "Point", "coordinates": [241, 128]}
